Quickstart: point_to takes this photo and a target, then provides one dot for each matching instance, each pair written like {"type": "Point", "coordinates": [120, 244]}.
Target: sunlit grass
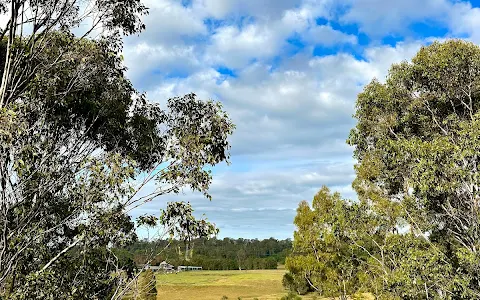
{"type": "Point", "coordinates": [213, 285]}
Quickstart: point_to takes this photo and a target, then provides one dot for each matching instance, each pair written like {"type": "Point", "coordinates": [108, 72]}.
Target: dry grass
{"type": "Point", "coordinates": [212, 285]}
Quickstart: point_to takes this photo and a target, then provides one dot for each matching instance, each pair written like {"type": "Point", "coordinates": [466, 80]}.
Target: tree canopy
{"type": "Point", "coordinates": [78, 145]}
{"type": "Point", "coordinates": [324, 259]}
{"type": "Point", "coordinates": [415, 232]}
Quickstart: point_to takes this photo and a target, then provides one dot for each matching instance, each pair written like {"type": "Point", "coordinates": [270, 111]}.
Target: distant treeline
{"type": "Point", "coordinates": [212, 254]}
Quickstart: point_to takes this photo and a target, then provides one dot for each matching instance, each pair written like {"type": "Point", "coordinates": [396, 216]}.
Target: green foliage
{"type": "Point", "coordinates": [214, 254]}
{"type": "Point", "coordinates": [323, 253]}
{"type": "Point", "coordinates": [74, 138]}
{"type": "Point", "coordinates": [417, 144]}
{"type": "Point", "coordinates": [291, 296]}
{"type": "Point", "coordinates": [297, 283]}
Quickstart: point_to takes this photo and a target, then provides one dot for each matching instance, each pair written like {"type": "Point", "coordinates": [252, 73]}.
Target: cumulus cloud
{"type": "Point", "coordinates": [380, 17]}
{"type": "Point", "coordinates": [221, 9]}
{"type": "Point", "coordinates": [173, 30]}
{"type": "Point", "coordinates": [169, 21]}
{"type": "Point", "coordinates": [326, 35]}
{"type": "Point", "coordinates": [299, 109]}
{"type": "Point", "coordinates": [293, 110]}
{"type": "Point", "coordinates": [465, 20]}
{"type": "Point", "coordinates": [235, 47]}
{"type": "Point", "coordinates": [147, 59]}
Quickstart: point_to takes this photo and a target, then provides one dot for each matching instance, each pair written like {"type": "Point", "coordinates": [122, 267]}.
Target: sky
{"type": "Point", "coordinates": [288, 73]}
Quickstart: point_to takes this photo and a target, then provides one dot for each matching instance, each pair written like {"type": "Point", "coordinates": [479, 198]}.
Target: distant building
{"type": "Point", "coordinates": [149, 267]}
{"type": "Point", "coordinates": [166, 267]}
{"type": "Point", "coordinates": [188, 268]}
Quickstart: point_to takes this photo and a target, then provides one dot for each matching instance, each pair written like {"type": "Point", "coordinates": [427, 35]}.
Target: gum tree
{"type": "Point", "coordinates": [417, 144]}
{"type": "Point", "coordinates": [79, 145]}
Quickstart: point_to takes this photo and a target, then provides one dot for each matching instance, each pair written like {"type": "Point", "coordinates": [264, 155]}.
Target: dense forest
{"type": "Point", "coordinates": [212, 254]}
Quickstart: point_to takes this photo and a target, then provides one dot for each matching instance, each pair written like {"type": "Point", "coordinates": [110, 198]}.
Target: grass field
{"type": "Point", "coordinates": [213, 285]}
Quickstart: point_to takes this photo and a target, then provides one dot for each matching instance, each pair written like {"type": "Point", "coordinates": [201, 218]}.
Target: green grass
{"type": "Point", "coordinates": [212, 285]}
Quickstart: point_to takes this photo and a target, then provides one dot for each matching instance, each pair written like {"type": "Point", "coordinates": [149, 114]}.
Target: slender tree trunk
{"type": "Point", "coordinates": [8, 56]}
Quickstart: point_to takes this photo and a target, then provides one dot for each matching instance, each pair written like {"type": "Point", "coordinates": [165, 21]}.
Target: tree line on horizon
{"type": "Point", "coordinates": [210, 254]}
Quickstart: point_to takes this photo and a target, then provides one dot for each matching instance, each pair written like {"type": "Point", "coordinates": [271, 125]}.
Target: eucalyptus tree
{"type": "Point", "coordinates": [417, 143]}
{"type": "Point", "coordinates": [180, 222]}
{"type": "Point", "coordinates": [324, 259]}
{"type": "Point", "coordinates": [345, 249]}
{"type": "Point", "coordinates": [80, 147]}
{"type": "Point", "coordinates": [414, 231]}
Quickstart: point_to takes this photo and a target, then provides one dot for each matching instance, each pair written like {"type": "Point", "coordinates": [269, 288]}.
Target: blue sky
{"type": "Point", "coordinates": [287, 72]}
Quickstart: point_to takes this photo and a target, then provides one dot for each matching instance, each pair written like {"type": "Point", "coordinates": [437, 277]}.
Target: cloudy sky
{"type": "Point", "coordinates": [287, 72]}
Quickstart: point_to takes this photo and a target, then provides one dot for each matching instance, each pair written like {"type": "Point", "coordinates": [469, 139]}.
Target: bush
{"type": "Point", "coordinates": [291, 296]}
{"type": "Point", "coordinates": [294, 284]}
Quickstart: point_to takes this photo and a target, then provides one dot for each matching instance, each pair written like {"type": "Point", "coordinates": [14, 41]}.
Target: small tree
{"type": "Point", "coordinates": [323, 254]}
{"type": "Point", "coordinates": [179, 221]}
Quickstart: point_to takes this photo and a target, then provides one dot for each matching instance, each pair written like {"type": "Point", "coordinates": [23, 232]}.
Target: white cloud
{"type": "Point", "coordinates": [301, 109]}
{"type": "Point", "coordinates": [327, 36]}
{"type": "Point", "coordinates": [221, 9]}
{"type": "Point", "coordinates": [168, 21]}
{"type": "Point", "coordinates": [383, 17]}
{"type": "Point", "coordinates": [216, 9]}
{"type": "Point", "coordinates": [235, 47]}
{"type": "Point", "coordinates": [465, 20]}
{"type": "Point", "coordinates": [146, 59]}
{"type": "Point", "coordinates": [293, 114]}
{"type": "Point", "coordinates": [173, 32]}
{"type": "Point", "coordinates": [385, 56]}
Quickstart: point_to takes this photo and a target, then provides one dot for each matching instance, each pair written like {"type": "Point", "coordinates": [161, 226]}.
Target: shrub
{"type": "Point", "coordinates": [291, 296]}
{"type": "Point", "coordinates": [294, 284]}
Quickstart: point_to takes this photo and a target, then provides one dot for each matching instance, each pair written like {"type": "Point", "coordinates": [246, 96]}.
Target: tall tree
{"type": "Point", "coordinates": [78, 143]}
{"type": "Point", "coordinates": [241, 258]}
{"type": "Point", "coordinates": [417, 142]}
